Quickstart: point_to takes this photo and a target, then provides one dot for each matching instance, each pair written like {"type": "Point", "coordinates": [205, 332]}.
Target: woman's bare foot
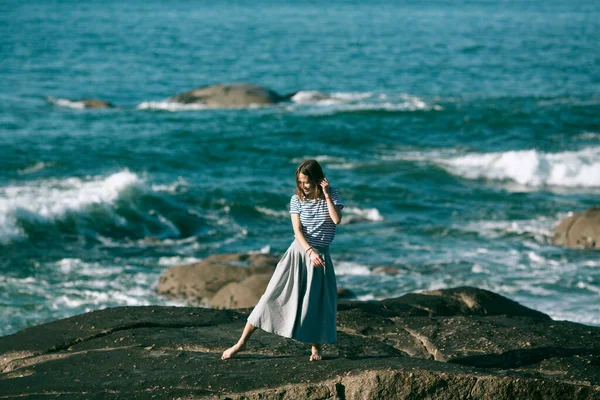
{"type": "Point", "coordinates": [316, 352]}
{"type": "Point", "coordinates": [230, 352]}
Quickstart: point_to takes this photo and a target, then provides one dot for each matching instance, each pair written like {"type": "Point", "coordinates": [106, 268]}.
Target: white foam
{"type": "Point", "coordinates": [173, 187]}
{"type": "Point", "coordinates": [38, 166]}
{"type": "Point", "coordinates": [331, 161]}
{"type": "Point", "coordinates": [265, 250]}
{"type": "Point", "coordinates": [351, 268]}
{"type": "Point", "coordinates": [588, 136]}
{"type": "Point", "coordinates": [359, 101]}
{"type": "Point", "coordinates": [366, 297]}
{"type": "Point", "coordinates": [354, 214]}
{"type": "Point", "coordinates": [530, 167]}
{"type": "Point", "coordinates": [67, 103]}
{"type": "Point", "coordinates": [273, 213]}
{"type": "Point", "coordinates": [76, 266]}
{"type": "Point", "coordinates": [176, 260]}
{"type": "Point", "coordinates": [540, 228]}
{"type": "Point", "coordinates": [173, 106]}
{"type": "Point", "coordinates": [52, 198]}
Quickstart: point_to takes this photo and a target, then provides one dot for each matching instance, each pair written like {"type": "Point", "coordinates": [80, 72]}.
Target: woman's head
{"type": "Point", "coordinates": [308, 177]}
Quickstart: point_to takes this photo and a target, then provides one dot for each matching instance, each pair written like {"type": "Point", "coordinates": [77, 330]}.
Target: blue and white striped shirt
{"type": "Point", "coordinates": [317, 226]}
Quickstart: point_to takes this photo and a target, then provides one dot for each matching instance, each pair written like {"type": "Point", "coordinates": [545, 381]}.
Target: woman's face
{"type": "Point", "coordinates": [304, 183]}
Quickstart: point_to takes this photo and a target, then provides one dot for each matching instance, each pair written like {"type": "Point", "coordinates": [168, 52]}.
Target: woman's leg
{"type": "Point", "coordinates": [316, 352]}
{"type": "Point", "coordinates": [241, 344]}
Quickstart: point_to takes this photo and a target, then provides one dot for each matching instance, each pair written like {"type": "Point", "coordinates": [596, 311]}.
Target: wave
{"type": "Point", "coordinates": [331, 161]}
{"type": "Point", "coordinates": [173, 106]}
{"type": "Point", "coordinates": [588, 136]}
{"type": "Point", "coordinates": [176, 260]}
{"type": "Point", "coordinates": [53, 198]}
{"type": "Point", "coordinates": [272, 213]}
{"type": "Point", "coordinates": [540, 229]}
{"type": "Point", "coordinates": [79, 105]}
{"type": "Point", "coordinates": [38, 166]}
{"type": "Point", "coordinates": [355, 214]}
{"type": "Point", "coordinates": [526, 167]}
{"type": "Point", "coordinates": [351, 268]}
{"type": "Point", "coordinates": [319, 103]}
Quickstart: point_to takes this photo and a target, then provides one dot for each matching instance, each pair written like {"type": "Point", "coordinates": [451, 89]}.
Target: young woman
{"type": "Point", "coordinates": [300, 301]}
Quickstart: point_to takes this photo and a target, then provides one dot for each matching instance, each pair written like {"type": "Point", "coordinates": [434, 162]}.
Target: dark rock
{"type": "Point", "coordinates": [455, 349]}
{"type": "Point", "coordinates": [230, 95]}
{"type": "Point", "coordinates": [580, 230]}
{"type": "Point", "coordinates": [344, 293]}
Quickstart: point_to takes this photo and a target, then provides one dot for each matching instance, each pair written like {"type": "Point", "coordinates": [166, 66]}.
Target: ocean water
{"type": "Point", "coordinates": [458, 133]}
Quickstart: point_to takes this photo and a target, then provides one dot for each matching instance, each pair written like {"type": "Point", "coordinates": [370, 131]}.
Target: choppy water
{"type": "Point", "coordinates": [458, 133]}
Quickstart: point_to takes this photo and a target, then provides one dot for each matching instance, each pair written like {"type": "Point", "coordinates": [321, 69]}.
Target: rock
{"type": "Point", "coordinates": [580, 230]}
{"type": "Point", "coordinates": [386, 270]}
{"type": "Point", "coordinates": [230, 95]}
{"type": "Point", "coordinates": [81, 103]}
{"type": "Point", "coordinates": [465, 343]}
{"type": "Point", "coordinates": [199, 282]}
{"type": "Point", "coordinates": [95, 103]}
{"type": "Point", "coordinates": [344, 293]}
{"type": "Point", "coordinates": [244, 294]}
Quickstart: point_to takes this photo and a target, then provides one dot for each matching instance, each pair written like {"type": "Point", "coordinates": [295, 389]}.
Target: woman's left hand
{"type": "Point", "coordinates": [324, 185]}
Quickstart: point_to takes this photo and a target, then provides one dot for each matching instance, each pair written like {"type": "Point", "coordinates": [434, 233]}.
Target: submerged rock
{"type": "Point", "coordinates": [96, 103]}
{"type": "Point", "coordinates": [230, 95]}
{"type": "Point", "coordinates": [81, 103]}
{"type": "Point", "coordinates": [581, 230]}
{"type": "Point", "coordinates": [462, 343]}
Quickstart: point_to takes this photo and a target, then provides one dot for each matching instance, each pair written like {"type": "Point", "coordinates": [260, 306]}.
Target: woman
{"type": "Point", "coordinates": [300, 301]}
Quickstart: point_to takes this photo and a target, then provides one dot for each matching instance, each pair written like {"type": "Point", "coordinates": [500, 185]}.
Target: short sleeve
{"type": "Point", "coordinates": [295, 205]}
{"type": "Point", "coordinates": [336, 198]}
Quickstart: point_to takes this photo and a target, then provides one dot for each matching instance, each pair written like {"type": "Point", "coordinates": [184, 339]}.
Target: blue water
{"type": "Point", "coordinates": [458, 133]}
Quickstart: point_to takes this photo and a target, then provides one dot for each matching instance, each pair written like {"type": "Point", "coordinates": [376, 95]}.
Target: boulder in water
{"type": "Point", "coordinates": [81, 103]}
{"type": "Point", "coordinates": [581, 230]}
{"type": "Point", "coordinates": [230, 95]}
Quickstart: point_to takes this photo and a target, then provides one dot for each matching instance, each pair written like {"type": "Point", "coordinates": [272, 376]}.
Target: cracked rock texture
{"type": "Point", "coordinates": [462, 343]}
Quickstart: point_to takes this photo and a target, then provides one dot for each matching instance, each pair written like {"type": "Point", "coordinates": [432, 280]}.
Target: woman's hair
{"type": "Point", "coordinates": [313, 171]}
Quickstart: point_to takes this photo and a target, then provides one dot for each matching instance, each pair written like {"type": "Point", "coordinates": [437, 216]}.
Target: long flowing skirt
{"type": "Point", "coordinates": [300, 301]}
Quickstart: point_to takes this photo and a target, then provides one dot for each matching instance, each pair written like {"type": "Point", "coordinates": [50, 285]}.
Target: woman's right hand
{"type": "Point", "coordinates": [316, 259]}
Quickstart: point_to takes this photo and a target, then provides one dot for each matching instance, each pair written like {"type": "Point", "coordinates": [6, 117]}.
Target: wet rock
{"type": "Point", "coordinates": [386, 270]}
{"type": "Point", "coordinates": [581, 230]}
{"type": "Point", "coordinates": [230, 95]}
{"type": "Point", "coordinates": [96, 103]}
{"type": "Point", "coordinates": [344, 293]}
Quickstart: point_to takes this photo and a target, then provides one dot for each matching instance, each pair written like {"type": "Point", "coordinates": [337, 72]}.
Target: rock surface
{"type": "Point", "coordinates": [230, 95]}
{"type": "Point", "coordinates": [200, 282]}
{"type": "Point", "coordinates": [462, 343]}
{"type": "Point", "coordinates": [581, 230]}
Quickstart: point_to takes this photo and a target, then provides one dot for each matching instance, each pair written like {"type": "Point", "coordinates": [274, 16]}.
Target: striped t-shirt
{"type": "Point", "coordinates": [317, 226]}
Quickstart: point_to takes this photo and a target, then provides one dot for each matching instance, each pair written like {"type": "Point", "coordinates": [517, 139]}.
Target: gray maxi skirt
{"type": "Point", "coordinates": [300, 301]}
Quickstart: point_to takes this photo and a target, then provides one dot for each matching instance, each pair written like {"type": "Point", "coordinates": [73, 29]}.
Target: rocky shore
{"type": "Point", "coordinates": [462, 343]}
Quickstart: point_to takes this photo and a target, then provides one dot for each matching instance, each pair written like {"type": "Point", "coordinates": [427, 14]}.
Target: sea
{"type": "Point", "coordinates": [459, 133]}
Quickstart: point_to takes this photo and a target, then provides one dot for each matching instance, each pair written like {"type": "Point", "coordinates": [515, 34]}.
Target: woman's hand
{"type": "Point", "coordinates": [325, 186]}
{"type": "Point", "coordinates": [316, 259]}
